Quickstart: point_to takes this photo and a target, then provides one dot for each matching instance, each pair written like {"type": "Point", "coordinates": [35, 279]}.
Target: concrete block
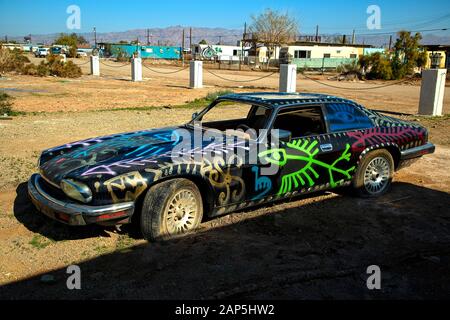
{"type": "Point", "coordinates": [432, 92]}
{"type": "Point", "coordinates": [196, 74]}
{"type": "Point", "coordinates": [95, 66]}
{"type": "Point", "coordinates": [288, 78]}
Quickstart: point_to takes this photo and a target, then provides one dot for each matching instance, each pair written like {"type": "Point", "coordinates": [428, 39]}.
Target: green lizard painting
{"type": "Point", "coordinates": [305, 151]}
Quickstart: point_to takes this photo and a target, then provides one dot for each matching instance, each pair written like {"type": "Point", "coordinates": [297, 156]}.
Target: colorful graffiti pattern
{"type": "Point", "coordinates": [305, 153]}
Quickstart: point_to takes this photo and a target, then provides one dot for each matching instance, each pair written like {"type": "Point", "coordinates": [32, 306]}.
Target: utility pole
{"type": "Point", "coordinates": [182, 48]}
{"type": "Point", "coordinates": [220, 40]}
{"type": "Point", "coordinates": [190, 38]}
{"type": "Point", "coordinates": [390, 42]}
{"type": "Point", "coordinates": [95, 37]}
{"type": "Point", "coordinates": [317, 33]}
{"type": "Point", "coordinates": [353, 37]}
{"type": "Point", "coordinates": [242, 46]}
{"type": "Point", "coordinates": [148, 37]}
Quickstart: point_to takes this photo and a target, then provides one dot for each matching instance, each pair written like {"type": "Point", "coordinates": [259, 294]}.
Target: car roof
{"type": "Point", "coordinates": [278, 99]}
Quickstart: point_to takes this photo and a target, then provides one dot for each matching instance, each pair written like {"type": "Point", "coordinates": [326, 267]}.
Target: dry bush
{"type": "Point", "coordinates": [5, 104]}
{"type": "Point", "coordinates": [12, 60]}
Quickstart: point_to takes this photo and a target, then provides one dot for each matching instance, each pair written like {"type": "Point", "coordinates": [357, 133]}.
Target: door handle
{"type": "Point", "coordinates": [326, 147]}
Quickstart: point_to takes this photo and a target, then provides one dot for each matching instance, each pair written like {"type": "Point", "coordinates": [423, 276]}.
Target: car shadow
{"type": "Point", "coordinates": [318, 250]}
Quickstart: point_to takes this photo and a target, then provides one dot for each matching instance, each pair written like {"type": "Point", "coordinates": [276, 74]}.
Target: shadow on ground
{"type": "Point", "coordinates": [316, 251]}
{"type": "Point", "coordinates": [26, 213]}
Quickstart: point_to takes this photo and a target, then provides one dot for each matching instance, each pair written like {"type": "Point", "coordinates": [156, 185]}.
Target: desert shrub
{"type": "Point", "coordinates": [54, 66]}
{"type": "Point", "coordinates": [30, 69]}
{"type": "Point", "coordinates": [122, 56]}
{"type": "Point", "coordinates": [42, 70]}
{"type": "Point", "coordinates": [5, 104]}
{"type": "Point", "coordinates": [377, 66]}
{"type": "Point", "coordinates": [12, 60]}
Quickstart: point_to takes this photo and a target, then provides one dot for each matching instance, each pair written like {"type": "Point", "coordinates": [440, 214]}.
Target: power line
{"type": "Point", "coordinates": [388, 33]}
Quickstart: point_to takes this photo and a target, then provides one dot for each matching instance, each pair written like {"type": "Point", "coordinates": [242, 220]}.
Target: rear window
{"type": "Point", "coordinates": [345, 117]}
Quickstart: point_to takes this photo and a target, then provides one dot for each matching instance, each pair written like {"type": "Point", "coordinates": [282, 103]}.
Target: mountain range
{"type": "Point", "coordinates": [173, 36]}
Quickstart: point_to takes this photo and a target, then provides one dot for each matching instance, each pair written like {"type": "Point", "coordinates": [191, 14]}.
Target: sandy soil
{"type": "Point", "coordinates": [317, 247]}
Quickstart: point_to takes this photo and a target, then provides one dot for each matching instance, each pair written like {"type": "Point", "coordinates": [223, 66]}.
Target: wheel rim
{"type": "Point", "coordinates": [376, 176]}
{"type": "Point", "coordinates": [181, 212]}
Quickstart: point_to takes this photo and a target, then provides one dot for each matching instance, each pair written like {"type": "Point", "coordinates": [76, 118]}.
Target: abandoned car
{"type": "Point", "coordinates": [323, 142]}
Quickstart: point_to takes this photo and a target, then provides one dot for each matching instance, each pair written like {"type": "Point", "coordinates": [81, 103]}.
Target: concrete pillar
{"type": "Point", "coordinates": [288, 78]}
{"type": "Point", "coordinates": [95, 66]}
{"type": "Point", "coordinates": [432, 92]}
{"type": "Point", "coordinates": [136, 69]}
{"type": "Point", "coordinates": [196, 74]}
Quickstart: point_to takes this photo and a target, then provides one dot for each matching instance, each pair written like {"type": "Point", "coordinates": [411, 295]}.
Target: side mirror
{"type": "Point", "coordinates": [194, 115]}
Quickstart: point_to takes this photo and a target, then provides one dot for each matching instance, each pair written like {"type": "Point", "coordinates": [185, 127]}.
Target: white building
{"type": "Point", "coordinates": [320, 52]}
{"type": "Point", "coordinates": [219, 52]}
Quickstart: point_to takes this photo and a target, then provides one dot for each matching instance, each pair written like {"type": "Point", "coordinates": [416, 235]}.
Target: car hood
{"type": "Point", "coordinates": [98, 156]}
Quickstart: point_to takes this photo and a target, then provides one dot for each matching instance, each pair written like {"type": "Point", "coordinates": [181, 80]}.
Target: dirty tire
{"type": "Point", "coordinates": [374, 175]}
{"type": "Point", "coordinates": [171, 208]}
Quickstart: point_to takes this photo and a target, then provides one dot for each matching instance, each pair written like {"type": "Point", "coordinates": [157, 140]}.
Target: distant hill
{"type": "Point", "coordinates": [173, 36]}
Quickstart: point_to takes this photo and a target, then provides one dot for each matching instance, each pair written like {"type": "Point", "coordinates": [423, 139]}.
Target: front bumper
{"type": "Point", "coordinates": [73, 213]}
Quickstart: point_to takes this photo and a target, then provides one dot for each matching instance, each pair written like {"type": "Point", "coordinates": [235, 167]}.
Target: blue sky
{"type": "Point", "coordinates": [19, 17]}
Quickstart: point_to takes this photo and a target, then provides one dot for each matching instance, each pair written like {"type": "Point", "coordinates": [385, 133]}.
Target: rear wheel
{"type": "Point", "coordinates": [171, 208]}
{"type": "Point", "coordinates": [374, 175]}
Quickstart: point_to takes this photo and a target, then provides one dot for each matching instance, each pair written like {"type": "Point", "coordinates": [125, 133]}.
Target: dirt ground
{"type": "Point", "coordinates": [317, 247]}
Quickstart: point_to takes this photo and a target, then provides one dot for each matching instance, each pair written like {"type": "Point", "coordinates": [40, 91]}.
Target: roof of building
{"type": "Point", "coordinates": [277, 99]}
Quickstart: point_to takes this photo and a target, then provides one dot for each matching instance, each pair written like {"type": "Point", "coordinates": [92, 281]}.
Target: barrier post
{"type": "Point", "coordinates": [95, 66]}
{"type": "Point", "coordinates": [136, 69]}
{"type": "Point", "coordinates": [432, 92]}
{"type": "Point", "coordinates": [196, 74]}
{"type": "Point", "coordinates": [288, 78]}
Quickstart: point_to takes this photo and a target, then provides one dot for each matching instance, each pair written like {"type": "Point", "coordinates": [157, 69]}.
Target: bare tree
{"type": "Point", "coordinates": [273, 28]}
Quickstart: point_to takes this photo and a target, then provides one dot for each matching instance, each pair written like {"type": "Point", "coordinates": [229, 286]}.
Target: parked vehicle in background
{"type": "Point", "coordinates": [41, 52]}
{"type": "Point", "coordinates": [81, 54]}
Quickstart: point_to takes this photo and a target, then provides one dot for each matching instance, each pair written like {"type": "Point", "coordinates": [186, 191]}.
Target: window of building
{"type": "Point", "coordinates": [353, 56]}
{"type": "Point", "coordinates": [302, 54]}
{"type": "Point", "coordinates": [327, 55]}
{"type": "Point", "coordinates": [345, 117]}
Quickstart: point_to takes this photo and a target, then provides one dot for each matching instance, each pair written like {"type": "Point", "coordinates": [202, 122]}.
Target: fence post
{"type": "Point", "coordinates": [288, 78]}
{"type": "Point", "coordinates": [196, 74]}
{"type": "Point", "coordinates": [136, 69]}
{"type": "Point", "coordinates": [432, 92]}
{"type": "Point", "coordinates": [95, 66]}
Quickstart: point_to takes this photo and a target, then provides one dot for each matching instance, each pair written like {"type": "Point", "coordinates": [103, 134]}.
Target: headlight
{"type": "Point", "coordinates": [76, 190]}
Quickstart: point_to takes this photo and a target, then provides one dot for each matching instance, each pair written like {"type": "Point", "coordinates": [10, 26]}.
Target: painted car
{"type": "Point", "coordinates": [322, 142]}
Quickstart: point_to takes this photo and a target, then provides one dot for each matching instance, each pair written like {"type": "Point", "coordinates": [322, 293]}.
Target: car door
{"type": "Point", "coordinates": [313, 159]}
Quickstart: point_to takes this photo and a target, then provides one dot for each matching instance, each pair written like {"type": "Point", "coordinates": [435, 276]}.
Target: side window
{"type": "Point", "coordinates": [301, 121]}
{"type": "Point", "coordinates": [345, 117]}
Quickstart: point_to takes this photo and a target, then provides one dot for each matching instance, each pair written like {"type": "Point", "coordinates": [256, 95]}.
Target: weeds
{"type": "Point", "coordinates": [40, 242]}
{"type": "Point", "coordinates": [5, 104]}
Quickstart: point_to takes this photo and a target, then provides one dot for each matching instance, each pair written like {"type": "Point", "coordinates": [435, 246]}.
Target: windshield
{"type": "Point", "coordinates": [233, 115]}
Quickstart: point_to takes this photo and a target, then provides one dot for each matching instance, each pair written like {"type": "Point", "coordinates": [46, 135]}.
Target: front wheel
{"type": "Point", "coordinates": [374, 175]}
{"type": "Point", "coordinates": [171, 208]}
